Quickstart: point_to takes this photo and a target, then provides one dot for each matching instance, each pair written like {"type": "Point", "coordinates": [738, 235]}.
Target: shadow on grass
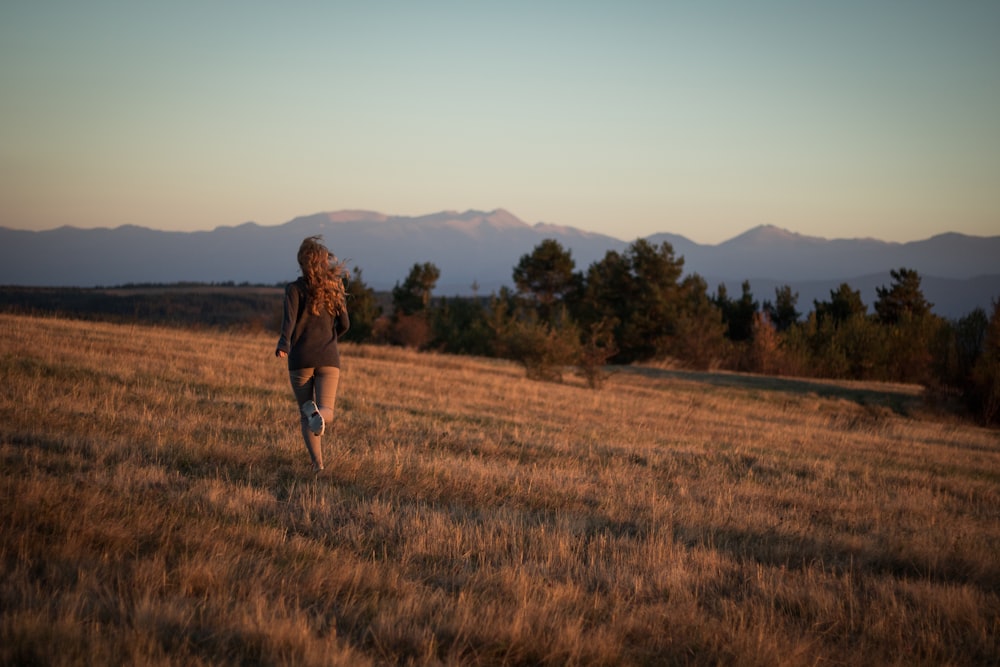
{"type": "Point", "coordinates": [901, 399]}
{"type": "Point", "coordinates": [797, 552]}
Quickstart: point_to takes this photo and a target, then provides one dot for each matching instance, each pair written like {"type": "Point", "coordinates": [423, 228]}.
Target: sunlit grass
{"type": "Point", "coordinates": [160, 509]}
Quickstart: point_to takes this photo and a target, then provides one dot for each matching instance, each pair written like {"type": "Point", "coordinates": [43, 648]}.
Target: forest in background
{"type": "Point", "coordinates": [631, 306]}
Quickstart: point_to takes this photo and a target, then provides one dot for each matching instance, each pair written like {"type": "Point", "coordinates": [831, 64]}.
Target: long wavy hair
{"type": "Point", "coordinates": [324, 277]}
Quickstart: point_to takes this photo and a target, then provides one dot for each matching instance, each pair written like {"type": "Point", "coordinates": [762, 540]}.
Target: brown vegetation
{"type": "Point", "coordinates": [159, 509]}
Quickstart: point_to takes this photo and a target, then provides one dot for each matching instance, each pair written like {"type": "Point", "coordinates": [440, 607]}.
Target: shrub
{"type": "Point", "coordinates": [764, 353]}
{"type": "Point", "coordinates": [544, 350]}
{"type": "Point", "coordinates": [594, 353]}
{"type": "Point", "coordinates": [412, 331]}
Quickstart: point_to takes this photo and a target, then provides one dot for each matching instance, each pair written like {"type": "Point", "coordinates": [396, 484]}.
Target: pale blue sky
{"type": "Point", "coordinates": [837, 119]}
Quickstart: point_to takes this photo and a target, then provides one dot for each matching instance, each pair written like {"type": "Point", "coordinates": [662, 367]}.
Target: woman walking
{"type": "Point", "coordinates": [315, 316]}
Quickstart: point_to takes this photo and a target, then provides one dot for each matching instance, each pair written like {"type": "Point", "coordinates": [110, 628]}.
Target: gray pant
{"type": "Point", "coordinates": [320, 385]}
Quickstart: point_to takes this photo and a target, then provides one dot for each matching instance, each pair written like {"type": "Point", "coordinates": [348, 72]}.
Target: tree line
{"type": "Point", "coordinates": [188, 304]}
{"type": "Point", "coordinates": [631, 306]}
{"type": "Point", "coordinates": [637, 306]}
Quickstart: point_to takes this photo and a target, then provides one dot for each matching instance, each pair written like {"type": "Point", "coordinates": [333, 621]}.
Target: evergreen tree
{"type": "Point", "coordinates": [903, 299]}
{"type": "Point", "coordinates": [460, 327]}
{"type": "Point", "coordinates": [699, 339]}
{"type": "Point", "coordinates": [637, 294]}
{"type": "Point", "coordinates": [984, 390]}
{"type": "Point", "coordinates": [841, 340]}
{"type": "Point", "coordinates": [969, 341]}
{"type": "Point", "coordinates": [782, 313]}
{"type": "Point", "coordinates": [500, 318]}
{"type": "Point", "coordinates": [844, 304]}
{"type": "Point", "coordinates": [547, 275]}
{"type": "Point", "coordinates": [411, 322]}
{"type": "Point", "coordinates": [414, 295]}
{"type": "Point", "coordinates": [739, 314]}
{"type": "Point", "coordinates": [902, 309]}
{"type": "Point", "coordinates": [864, 347]}
{"type": "Point", "coordinates": [362, 306]}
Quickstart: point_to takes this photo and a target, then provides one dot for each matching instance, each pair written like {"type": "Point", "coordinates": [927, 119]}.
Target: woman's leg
{"type": "Point", "coordinates": [327, 379]}
{"type": "Point", "coordinates": [304, 385]}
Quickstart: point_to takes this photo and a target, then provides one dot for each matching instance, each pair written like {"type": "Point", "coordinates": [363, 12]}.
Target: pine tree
{"type": "Point", "coordinates": [546, 274]}
{"type": "Point", "coordinates": [903, 299]}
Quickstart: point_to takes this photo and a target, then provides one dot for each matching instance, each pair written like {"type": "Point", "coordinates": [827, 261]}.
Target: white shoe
{"type": "Point", "coordinates": [316, 422]}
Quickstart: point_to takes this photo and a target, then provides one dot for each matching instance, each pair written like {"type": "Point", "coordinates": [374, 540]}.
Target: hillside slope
{"type": "Point", "coordinates": [161, 511]}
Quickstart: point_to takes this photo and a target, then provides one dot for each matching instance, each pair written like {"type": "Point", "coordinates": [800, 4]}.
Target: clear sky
{"type": "Point", "coordinates": [843, 118]}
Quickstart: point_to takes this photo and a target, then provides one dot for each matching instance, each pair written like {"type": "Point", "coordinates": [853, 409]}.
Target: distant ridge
{"type": "Point", "coordinates": [959, 272]}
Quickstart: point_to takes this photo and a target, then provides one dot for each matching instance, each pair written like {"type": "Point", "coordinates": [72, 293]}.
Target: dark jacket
{"type": "Point", "coordinates": [309, 340]}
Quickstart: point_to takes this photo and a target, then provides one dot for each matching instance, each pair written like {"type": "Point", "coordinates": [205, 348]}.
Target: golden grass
{"type": "Point", "coordinates": [159, 509]}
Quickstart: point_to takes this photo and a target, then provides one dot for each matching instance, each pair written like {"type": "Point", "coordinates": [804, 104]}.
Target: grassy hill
{"type": "Point", "coordinates": [159, 509]}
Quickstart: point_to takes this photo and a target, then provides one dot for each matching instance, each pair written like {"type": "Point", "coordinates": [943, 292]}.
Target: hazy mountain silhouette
{"type": "Point", "coordinates": [771, 252]}
{"type": "Point", "coordinates": [959, 272]}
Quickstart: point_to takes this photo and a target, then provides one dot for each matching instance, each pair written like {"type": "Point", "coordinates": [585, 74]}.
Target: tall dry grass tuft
{"type": "Point", "coordinates": [159, 509]}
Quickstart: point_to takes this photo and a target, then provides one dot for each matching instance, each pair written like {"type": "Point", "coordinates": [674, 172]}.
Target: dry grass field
{"type": "Point", "coordinates": [159, 509]}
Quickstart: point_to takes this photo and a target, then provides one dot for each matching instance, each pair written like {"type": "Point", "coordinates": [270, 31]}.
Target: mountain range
{"type": "Point", "coordinates": [480, 249]}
